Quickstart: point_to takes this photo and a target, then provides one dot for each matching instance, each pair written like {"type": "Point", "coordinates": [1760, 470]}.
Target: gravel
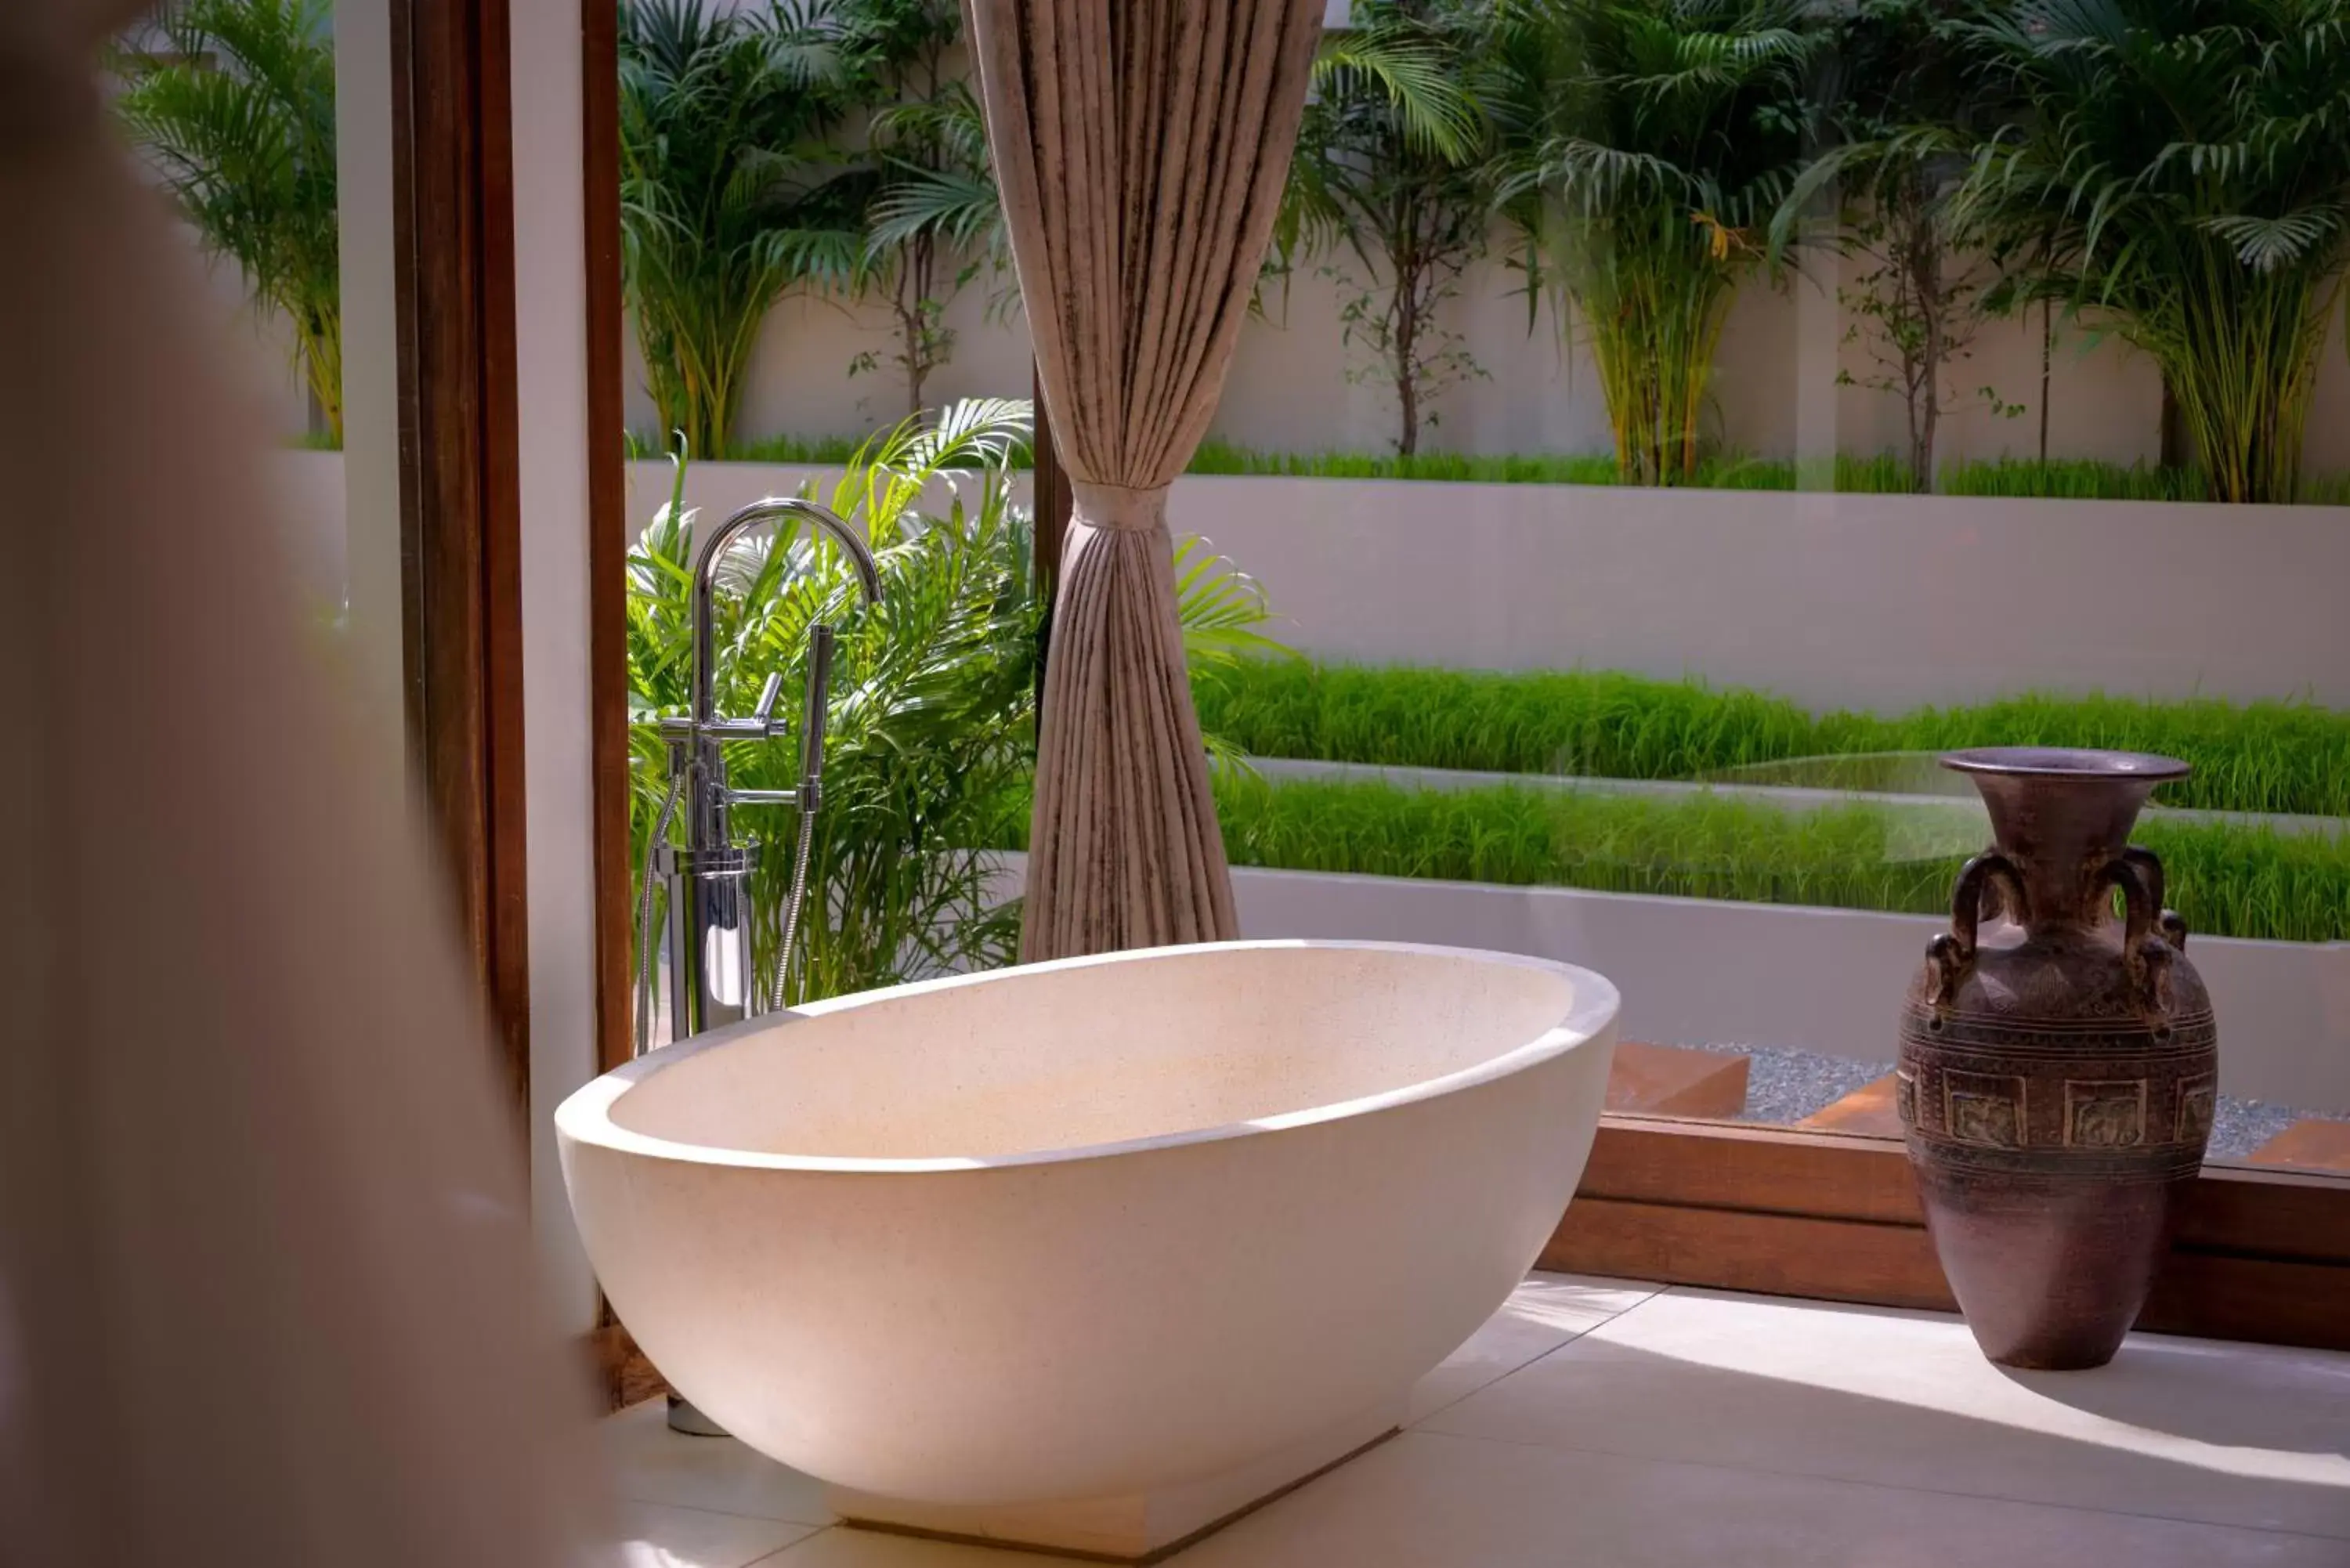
{"type": "Point", "coordinates": [1784, 1087]}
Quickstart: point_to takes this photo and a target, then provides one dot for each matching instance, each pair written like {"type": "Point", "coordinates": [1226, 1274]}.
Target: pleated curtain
{"type": "Point", "coordinates": [1140, 147]}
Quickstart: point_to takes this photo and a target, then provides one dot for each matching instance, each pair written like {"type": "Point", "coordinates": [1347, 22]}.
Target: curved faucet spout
{"type": "Point", "coordinates": [714, 549]}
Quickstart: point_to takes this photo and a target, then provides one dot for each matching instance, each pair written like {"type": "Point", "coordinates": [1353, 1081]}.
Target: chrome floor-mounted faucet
{"type": "Point", "coordinates": [708, 939]}
{"type": "Point", "coordinates": [708, 945]}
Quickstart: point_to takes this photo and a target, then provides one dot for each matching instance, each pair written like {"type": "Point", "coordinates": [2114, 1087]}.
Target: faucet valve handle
{"type": "Point", "coordinates": [765, 712]}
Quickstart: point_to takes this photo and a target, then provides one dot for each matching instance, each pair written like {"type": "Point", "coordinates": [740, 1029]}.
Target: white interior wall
{"type": "Point", "coordinates": [365, 535]}
{"type": "Point", "coordinates": [551, 357]}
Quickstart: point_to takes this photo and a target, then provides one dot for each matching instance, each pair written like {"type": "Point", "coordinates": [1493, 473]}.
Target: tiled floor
{"type": "Point", "coordinates": [1598, 1422]}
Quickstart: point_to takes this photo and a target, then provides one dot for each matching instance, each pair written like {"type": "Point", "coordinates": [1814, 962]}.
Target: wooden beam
{"type": "Point", "coordinates": [608, 533]}
{"type": "Point", "coordinates": [460, 524]}
{"type": "Point", "coordinates": [620, 1370]}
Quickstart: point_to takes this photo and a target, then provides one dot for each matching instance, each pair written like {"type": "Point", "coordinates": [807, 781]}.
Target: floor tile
{"type": "Point", "coordinates": [846, 1547]}
{"type": "Point", "coordinates": [2228, 1434]}
{"type": "Point", "coordinates": [649, 1463]}
{"type": "Point", "coordinates": [1543, 1314]}
{"type": "Point", "coordinates": [1428, 1501]}
{"type": "Point", "coordinates": [657, 1535]}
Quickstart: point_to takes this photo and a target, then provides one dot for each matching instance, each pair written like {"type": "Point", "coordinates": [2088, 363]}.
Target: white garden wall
{"type": "Point", "coordinates": [1883, 602]}
{"type": "Point", "coordinates": [1775, 394]}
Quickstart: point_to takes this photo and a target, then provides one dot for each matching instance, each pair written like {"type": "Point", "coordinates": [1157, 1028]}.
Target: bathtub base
{"type": "Point", "coordinates": [1141, 1527]}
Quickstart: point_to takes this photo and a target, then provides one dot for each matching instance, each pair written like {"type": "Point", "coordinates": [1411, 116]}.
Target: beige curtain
{"type": "Point", "coordinates": [265, 1288]}
{"type": "Point", "coordinates": [1140, 147]}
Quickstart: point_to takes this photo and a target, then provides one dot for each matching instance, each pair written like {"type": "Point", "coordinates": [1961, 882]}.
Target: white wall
{"type": "Point", "coordinates": [1880, 602]}
{"type": "Point", "coordinates": [1883, 602]}
{"type": "Point", "coordinates": [551, 358]}
{"type": "Point", "coordinates": [1828, 981]}
{"type": "Point", "coordinates": [1291, 388]}
{"type": "Point", "coordinates": [364, 535]}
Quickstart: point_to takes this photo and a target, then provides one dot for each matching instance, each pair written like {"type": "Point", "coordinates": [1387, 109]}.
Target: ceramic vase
{"type": "Point", "coordinates": [2057, 1074]}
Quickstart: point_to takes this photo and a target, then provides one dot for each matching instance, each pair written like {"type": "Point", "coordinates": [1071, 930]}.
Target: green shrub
{"type": "Point", "coordinates": [2290, 757]}
{"type": "Point", "coordinates": [2226, 881]}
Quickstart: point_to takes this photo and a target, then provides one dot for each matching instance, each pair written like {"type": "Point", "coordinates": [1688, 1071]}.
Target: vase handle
{"type": "Point", "coordinates": [2147, 947]}
{"type": "Point", "coordinates": [1952, 954]}
{"type": "Point", "coordinates": [2149, 865]}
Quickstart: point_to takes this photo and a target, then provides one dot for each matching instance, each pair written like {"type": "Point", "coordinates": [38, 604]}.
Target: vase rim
{"type": "Point", "coordinates": [2076, 763]}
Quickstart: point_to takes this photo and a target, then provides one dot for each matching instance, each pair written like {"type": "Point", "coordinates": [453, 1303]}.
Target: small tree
{"type": "Point", "coordinates": [1647, 145]}
{"type": "Point", "coordinates": [1902, 115]}
{"type": "Point", "coordinates": [2181, 170]}
{"type": "Point", "coordinates": [934, 213]}
{"type": "Point", "coordinates": [1390, 163]}
{"type": "Point", "coordinates": [238, 112]}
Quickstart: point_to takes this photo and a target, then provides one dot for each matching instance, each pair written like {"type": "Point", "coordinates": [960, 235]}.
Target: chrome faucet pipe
{"type": "Point", "coordinates": [705, 576]}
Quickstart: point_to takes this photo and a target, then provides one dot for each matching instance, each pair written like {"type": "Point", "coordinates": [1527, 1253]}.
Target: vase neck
{"type": "Point", "coordinates": [2061, 833]}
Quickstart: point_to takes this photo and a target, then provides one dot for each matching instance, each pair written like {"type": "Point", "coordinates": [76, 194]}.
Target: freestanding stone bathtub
{"type": "Point", "coordinates": [1091, 1254]}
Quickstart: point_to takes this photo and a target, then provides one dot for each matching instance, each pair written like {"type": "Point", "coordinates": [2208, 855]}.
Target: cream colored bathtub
{"type": "Point", "coordinates": [1107, 1229]}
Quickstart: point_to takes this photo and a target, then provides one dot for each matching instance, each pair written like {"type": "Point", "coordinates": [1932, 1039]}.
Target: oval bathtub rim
{"type": "Point", "coordinates": [585, 1116]}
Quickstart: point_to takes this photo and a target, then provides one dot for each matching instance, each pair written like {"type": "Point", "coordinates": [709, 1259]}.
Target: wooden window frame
{"type": "Point", "coordinates": [2259, 1255]}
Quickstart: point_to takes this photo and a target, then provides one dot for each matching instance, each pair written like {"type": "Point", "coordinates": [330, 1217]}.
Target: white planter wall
{"type": "Point", "coordinates": [1828, 981]}
{"type": "Point", "coordinates": [1883, 602]}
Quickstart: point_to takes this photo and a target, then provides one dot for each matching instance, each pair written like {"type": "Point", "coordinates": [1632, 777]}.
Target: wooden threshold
{"type": "Point", "coordinates": [1834, 1216]}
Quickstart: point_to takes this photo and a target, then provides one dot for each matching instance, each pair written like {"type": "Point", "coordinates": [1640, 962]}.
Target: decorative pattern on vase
{"type": "Point", "coordinates": [2058, 1066]}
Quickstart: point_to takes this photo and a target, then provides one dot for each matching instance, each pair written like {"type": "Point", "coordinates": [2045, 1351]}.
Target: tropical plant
{"type": "Point", "coordinates": [728, 194]}
{"type": "Point", "coordinates": [933, 706]}
{"type": "Point", "coordinates": [2181, 170]}
{"type": "Point", "coordinates": [1902, 115]}
{"type": "Point", "coordinates": [934, 219]}
{"type": "Point", "coordinates": [236, 109]}
{"type": "Point", "coordinates": [1646, 144]}
{"type": "Point", "coordinates": [1390, 165]}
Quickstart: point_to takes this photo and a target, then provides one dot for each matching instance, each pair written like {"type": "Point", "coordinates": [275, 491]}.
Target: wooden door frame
{"type": "Point", "coordinates": [460, 486]}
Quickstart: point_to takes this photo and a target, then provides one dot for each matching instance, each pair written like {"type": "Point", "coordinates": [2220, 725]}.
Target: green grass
{"type": "Point", "coordinates": [2067, 479]}
{"type": "Point", "coordinates": [828, 452]}
{"type": "Point", "coordinates": [1725, 473]}
{"type": "Point", "coordinates": [2264, 757]}
{"type": "Point", "coordinates": [2226, 881]}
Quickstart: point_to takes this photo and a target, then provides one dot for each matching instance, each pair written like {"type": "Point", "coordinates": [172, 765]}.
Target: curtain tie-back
{"type": "Point", "coordinates": [1121, 507]}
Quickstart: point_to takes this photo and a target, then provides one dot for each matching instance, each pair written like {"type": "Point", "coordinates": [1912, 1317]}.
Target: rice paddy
{"type": "Point", "coordinates": [2226, 881]}
{"type": "Point", "coordinates": [2281, 757]}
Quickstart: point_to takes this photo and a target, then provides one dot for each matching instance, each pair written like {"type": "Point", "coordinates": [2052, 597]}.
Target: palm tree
{"type": "Point", "coordinates": [1901, 113]}
{"type": "Point", "coordinates": [2180, 169]}
{"type": "Point", "coordinates": [236, 110]}
{"type": "Point", "coordinates": [927, 779]}
{"type": "Point", "coordinates": [1390, 165]}
{"type": "Point", "coordinates": [728, 196]}
{"type": "Point", "coordinates": [934, 219]}
{"type": "Point", "coordinates": [1647, 143]}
